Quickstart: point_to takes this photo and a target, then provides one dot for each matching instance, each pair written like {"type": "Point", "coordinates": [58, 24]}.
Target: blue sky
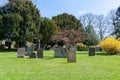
{"type": "Point", "coordinates": [49, 8]}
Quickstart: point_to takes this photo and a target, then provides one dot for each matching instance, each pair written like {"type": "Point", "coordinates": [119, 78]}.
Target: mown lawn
{"type": "Point", "coordinates": [99, 67]}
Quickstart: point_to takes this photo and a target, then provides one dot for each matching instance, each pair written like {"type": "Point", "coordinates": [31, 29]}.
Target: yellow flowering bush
{"type": "Point", "coordinates": [81, 47]}
{"type": "Point", "coordinates": [110, 45]}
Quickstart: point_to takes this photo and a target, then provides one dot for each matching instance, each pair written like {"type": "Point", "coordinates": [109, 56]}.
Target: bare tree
{"type": "Point", "coordinates": [87, 19]}
{"type": "Point", "coordinates": [104, 25]}
{"type": "Point", "coordinates": [101, 27]}
{"type": "Point", "coordinates": [110, 20]}
{"type": "Point", "coordinates": [112, 15]}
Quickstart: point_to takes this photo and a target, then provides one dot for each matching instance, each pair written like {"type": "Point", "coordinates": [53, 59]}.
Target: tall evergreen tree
{"type": "Point", "coordinates": [2, 31]}
{"type": "Point", "coordinates": [48, 28]}
{"type": "Point", "coordinates": [92, 37]}
{"type": "Point", "coordinates": [67, 21]}
{"type": "Point", "coordinates": [117, 23]}
{"type": "Point", "coordinates": [22, 20]}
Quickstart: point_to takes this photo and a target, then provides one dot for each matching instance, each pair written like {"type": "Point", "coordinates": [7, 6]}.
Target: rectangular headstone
{"type": "Point", "coordinates": [21, 52]}
{"type": "Point", "coordinates": [40, 53]}
{"type": "Point", "coordinates": [63, 52]}
{"type": "Point", "coordinates": [71, 56]}
{"type": "Point", "coordinates": [29, 50]}
{"type": "Point", "coordinates": [57, 52]}
{"type": "Point", "coordinates": [91, 51]}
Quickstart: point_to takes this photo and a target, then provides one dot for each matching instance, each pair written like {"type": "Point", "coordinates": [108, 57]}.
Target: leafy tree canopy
{"type": "Point", "coordinates": [48, 28]}
{"type": "Point", "coordinates": [71, 29]}
{"type": "Point", "coordinates": [92, 36]}
{"type": "Point", "coordinates": [116, 23]}
{"type": "Point", "coordinates": [67, 21]}
{"type": "Point", "coordinates": [21, 20]}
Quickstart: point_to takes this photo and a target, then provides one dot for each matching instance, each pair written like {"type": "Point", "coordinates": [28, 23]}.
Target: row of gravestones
{"type": "Point", "coordinates": [29, 51]}
{"type": "Point", "coordinates": [60, 52]}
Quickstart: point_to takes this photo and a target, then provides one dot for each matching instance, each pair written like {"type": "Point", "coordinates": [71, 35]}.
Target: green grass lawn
{"type": "Point", "coordinates": [99, 67]}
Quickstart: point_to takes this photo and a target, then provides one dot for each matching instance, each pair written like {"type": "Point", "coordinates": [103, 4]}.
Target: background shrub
{"type": "Point", "coordinates": [81, 47]}
{"type": "Point", "coordinates": [110, 45]}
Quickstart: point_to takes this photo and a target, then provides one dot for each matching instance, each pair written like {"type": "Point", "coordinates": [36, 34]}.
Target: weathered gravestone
{"type": "Point", "coordinates": [21, 52]}
{"type": "Point", "coordinates": [60, 52]}
{"type": "Point", "coordinates": [71, 55]}
{"type": "Point", "coordinates": [63, 52]}
{"type": "Point", "coordinates": [57, 52]}
{"type": "Point", "coordinates": [40, 53]}
{"type": "Point", "coordinates": [40, 50]}
{"type": "Point", "coordinates": [92, 51]}
{"type": "Point", "coordinates": [29, 50]}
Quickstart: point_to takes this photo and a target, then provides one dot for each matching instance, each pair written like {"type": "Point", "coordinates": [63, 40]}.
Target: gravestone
{"type": "Point", "coordinates": [40, 50]}
{"type": "Point", "coordinates": [29, 50]}
{"type": "Point", "coordinates": [21, 52]}
{"type": "Point", "coordinates": [60, 52]}
{"type": "Point", "coordinates": [91, 51]}
{"type": "Point", "coordinates": [71, 56]}
{"type": "Point", "coordinates": [63, 53]}
{"type": "Point", "coordinates": [57, 52]}
{"type": "Point", "coordinates": [40, 53]}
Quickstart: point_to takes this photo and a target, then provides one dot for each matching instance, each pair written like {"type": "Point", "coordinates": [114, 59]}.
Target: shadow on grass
{"type": "Point", "coordinates": [52, 57]}
{"type": "Point", "coordinates": [82, 52]}
{"type": "Point", "coordinates": [101, 53]}
{"type": "Point", "coordinates": [8, 50]}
